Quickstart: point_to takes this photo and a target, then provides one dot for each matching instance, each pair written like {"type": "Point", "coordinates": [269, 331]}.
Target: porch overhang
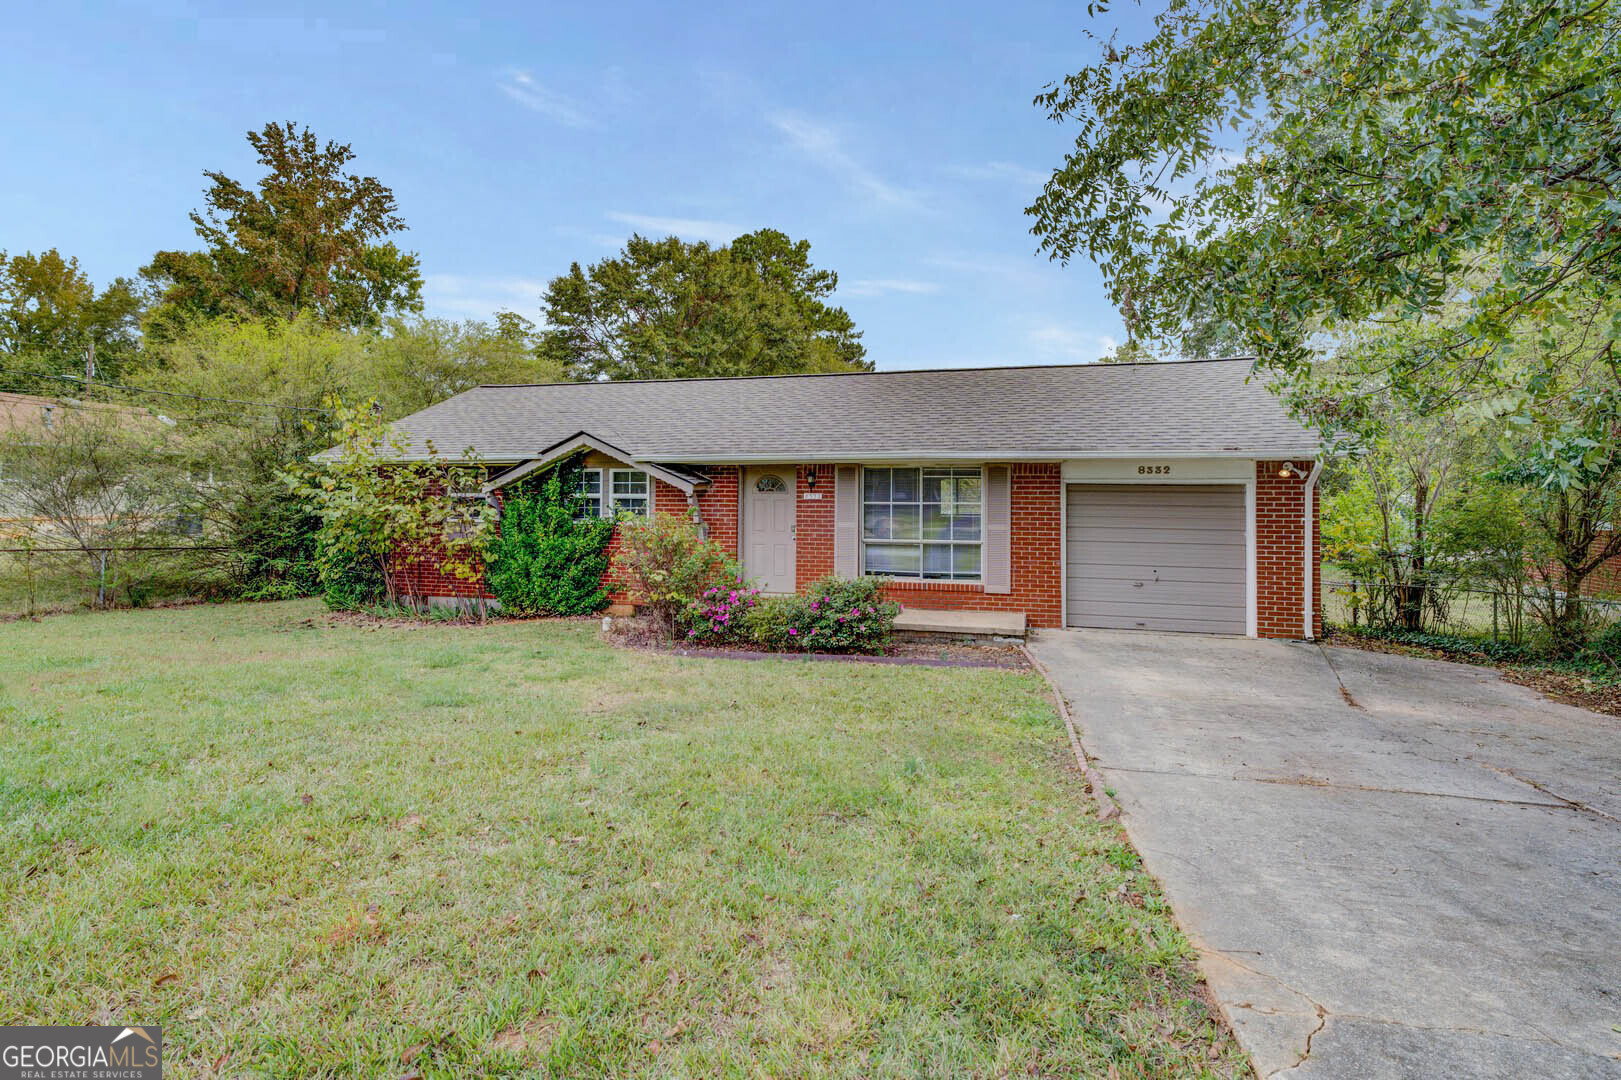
{"type": "Point", "coordinates": [688, 483]}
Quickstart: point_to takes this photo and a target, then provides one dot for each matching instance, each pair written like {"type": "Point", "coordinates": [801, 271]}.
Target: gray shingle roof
{"type": "Point", "coordinates": [1184, 408]}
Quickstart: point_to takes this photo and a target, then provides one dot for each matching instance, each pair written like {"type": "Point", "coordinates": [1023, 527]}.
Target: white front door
{"type": "Point", "coordinates": [768, 527]}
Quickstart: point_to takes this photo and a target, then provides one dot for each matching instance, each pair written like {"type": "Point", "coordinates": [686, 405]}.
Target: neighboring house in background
{"type": "Point", "coordinates": [31, 416]}
{"type": "Point", "coordinates": [1176, 496]}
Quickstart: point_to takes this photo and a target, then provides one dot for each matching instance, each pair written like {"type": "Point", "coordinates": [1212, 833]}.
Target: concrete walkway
{"type": "Point", "coordinates": [1391, 867]}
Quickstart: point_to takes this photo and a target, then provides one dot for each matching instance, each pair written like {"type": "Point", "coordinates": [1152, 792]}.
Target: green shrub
{"type": "Point", "coordinates": [667, 566]}
{"type": "Point", "coordinates": [834, 615]}
{"type": "Point", "coordinates": [349, 581]}
{"type": "Point", "coordinates": [542, 561]}
{"type": "Point", "coordinates": [1497, 652]}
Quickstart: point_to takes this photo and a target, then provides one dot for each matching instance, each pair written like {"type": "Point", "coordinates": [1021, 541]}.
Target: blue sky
{"type": "Point", "coordinates": [899, 139]}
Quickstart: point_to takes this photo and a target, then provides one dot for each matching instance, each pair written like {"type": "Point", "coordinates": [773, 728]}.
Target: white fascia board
{"type": "Point", "coordinates": [974, 456]}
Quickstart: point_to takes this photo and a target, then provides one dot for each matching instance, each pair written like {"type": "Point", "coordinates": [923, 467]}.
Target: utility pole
{"type": "Point", "coordinates": [89, 366]}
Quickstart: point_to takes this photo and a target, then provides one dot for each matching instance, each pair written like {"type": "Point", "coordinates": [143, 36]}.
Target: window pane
{"type": "Point", "coordinates": [936, 560]}
{"type": "Point", "coordinates": [903, 521]}
{"type": "Point", "coordinates": [936, 525]}
{"type": "Point", "coordinates": [968, 492]}
{"type": "Point", "coordinates": [877, 485]}
{"type": "Point", "coordinates": [591, 482]}
{"type": "Point", "coordinates": [965, 560]}
{"type": "Point", "coordinates": [901, 559]}
{"type": "Point", "coordinates": [631, 505]}
{"type": "Point", "coordinates": [965, 527]}
{"type": "Point", "coordinates": [629, 483]}
{"type": "Point", "coordinates": [904, 485]}
{"type": "Point", "coordinates": [934, 486]}
{"type": "Point", "coordinates": [875, 523]}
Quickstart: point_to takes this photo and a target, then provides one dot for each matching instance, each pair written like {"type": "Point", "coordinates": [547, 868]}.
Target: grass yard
{"type": "Point", "coordinates": [312, 847]}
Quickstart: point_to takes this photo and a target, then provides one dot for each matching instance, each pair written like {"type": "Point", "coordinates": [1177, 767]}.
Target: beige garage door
{"type": "Point", "coordinates": [1156, 557]}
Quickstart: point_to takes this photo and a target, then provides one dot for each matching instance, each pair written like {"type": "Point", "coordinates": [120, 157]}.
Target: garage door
{"type": "Point", "coordinates": [1153, 557]}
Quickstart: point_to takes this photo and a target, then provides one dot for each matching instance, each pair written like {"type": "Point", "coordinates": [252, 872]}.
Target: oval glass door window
{"type": "Point", "coordinates": [770, 482]}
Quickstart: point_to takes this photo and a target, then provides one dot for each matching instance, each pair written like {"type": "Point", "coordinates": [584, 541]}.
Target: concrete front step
{"type": "Point", "coordinates": [961, 623]}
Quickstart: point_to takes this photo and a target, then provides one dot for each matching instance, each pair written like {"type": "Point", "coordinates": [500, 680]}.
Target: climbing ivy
{"type": "Point", "coordinates": [546, 559]}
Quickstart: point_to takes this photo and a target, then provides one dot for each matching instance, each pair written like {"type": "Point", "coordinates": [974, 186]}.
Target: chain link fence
{"type": "Point", "coordinates": [1465, 608]}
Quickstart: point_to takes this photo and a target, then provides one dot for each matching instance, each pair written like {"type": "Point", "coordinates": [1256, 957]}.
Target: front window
{"type": "Point", "coordinates": [922, 523]}
{"type": "Point", "coordinates": [628, 491]}
{"type": "Point", "coordinates": [590, 493]}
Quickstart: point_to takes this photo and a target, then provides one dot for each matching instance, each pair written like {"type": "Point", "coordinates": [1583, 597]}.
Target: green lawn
{"type": "Point", "coordinates": [308, 847]}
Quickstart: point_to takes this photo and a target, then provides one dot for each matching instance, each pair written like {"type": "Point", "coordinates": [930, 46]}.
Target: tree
{"type": "Point", "coordinates": [96, 483]}
{"type": "Point", "coordinates": [665, 309]}
{"type": "Point", "coordinates": [51, 315]}
{"type": "Point", "coordinates": [379, 513]}
{"type": "Point", "coordinates": [1284, 168]}
{"type": "Point", "coordinates": [1571, 470]}
{"type": "Point", "coordinates": [308, 237]}
{"type": "Point", "coordinates": [414, 363]}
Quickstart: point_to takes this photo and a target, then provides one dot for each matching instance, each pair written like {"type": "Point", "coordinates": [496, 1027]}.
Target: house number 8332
{"type": "Point", "coordinates": [1153, 470]}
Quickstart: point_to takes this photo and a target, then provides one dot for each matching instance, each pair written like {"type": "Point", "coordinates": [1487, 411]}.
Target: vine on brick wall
{"type": "Point", "coordinates": [547, 558]}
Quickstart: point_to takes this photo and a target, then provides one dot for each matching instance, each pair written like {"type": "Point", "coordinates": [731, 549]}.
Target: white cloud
{"type": "Point", "coordinates": [880, 286]}
{"type": "Point", "coordinates": [480, 297]}
{"type": "Point", "coordinates": [823, 145]}
{"type": "Point", "coordinates": [716, 232]}
{"type": "Point", "coordinates": [1001, 170]}
{"type": "Point", "coordinates": [521, 87]}
{"type": "Point", "coordinates": [1057, 340]}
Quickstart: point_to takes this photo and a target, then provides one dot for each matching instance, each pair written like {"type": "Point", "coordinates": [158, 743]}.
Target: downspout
{"type": "Point", "coordinates": [1307, 531]}
{"type": "Point", "coordinates": [697, 517]}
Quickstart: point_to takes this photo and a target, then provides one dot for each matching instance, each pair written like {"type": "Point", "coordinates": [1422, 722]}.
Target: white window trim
{"type": "Point", "coordinates": [607, 505]}
{"type": "Point", "coordinates": [601, 497]}
{"type": "Point", "coordinates": [610, 502]}
{"type": "Point", "coordinates": [919, 579]}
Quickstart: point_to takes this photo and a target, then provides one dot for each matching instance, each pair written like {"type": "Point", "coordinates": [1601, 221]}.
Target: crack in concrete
{"type": "Point", "coordinates": [1322, 1012]}
{"type": "Point", "coordinates": [1561, 804]}
{"type": "Point", "coordinates": [1528, 782]}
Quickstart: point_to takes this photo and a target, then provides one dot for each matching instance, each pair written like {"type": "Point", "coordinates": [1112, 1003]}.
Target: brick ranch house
{"type": "Point", "coordinates": [1174, 496]}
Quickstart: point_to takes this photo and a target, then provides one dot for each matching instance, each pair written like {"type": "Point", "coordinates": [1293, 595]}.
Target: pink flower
{"type": "Point", "coordinates": [792, 632]}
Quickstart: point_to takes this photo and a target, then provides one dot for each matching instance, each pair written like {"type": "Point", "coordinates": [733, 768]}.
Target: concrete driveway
{"type": "Point", "coordinates": [1391, 867]}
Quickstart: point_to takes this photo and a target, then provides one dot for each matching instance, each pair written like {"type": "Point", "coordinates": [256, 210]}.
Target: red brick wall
{"type": "Point", "coordinates": [1038, 564]}
{"type": "Point", "coordinates": [419, 571]}
{"type": "Point", "coordinates": [1037, 507]}
{"type": "Point", "coordinates": [813, 525]}
{"type": "Point", "coordinates": [717, 506]}
{"type": "Point", "coordinates": [1279, 543]}
{"type": "Point", "coordinates": [1037, 500]}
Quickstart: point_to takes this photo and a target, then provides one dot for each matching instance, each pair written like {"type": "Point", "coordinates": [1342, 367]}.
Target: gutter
{"type": "Point", "coordinates": [1307, 532]}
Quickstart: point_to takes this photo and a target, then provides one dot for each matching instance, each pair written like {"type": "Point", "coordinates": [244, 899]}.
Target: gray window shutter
{"type": "Point", "coordinates": [998, 554]}
{"type": "Point", "coordinates": [847, 521]}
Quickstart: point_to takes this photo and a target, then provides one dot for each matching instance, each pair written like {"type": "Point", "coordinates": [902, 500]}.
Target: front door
{"type": "Point", "coordinates": [768, 527]}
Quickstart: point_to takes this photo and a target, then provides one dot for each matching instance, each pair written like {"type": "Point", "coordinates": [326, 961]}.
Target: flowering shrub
{"type": "Point", "coordinates": [667, 565]}
{"type": "Point", "coordinates": [720, 615]}
{"type": "Point", "coordinates": [834, 615]}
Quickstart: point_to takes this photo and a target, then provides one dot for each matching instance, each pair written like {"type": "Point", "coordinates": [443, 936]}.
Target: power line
{"type": "Point", "coordinates": [172, 393]}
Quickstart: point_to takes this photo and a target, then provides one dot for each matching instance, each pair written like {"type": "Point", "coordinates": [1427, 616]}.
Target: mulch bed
{"type": "Point", "coordinates": [902, 653]}
{"type": "Point", "coordinates": [1562, 686]}
{"type": "Point", "coordinates": [640, 634]}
